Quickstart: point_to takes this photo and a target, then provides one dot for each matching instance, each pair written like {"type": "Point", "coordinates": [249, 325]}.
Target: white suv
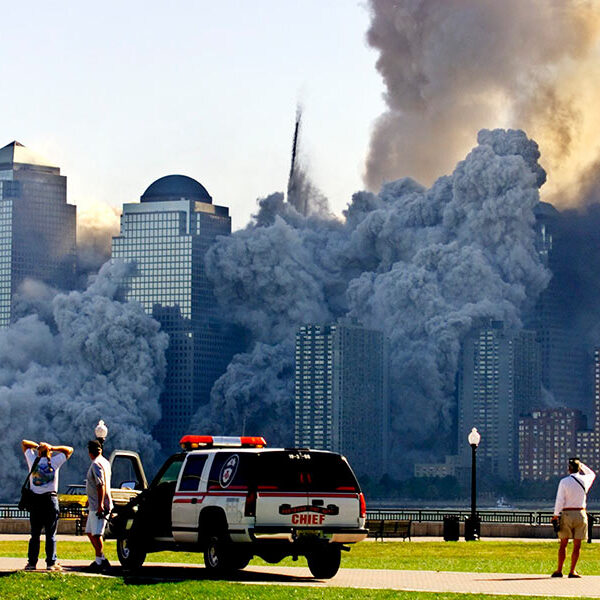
{"type": "Point", "coordinates": [233, 498]}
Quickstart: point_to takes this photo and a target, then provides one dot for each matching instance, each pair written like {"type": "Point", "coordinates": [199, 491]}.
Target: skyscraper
{"type": "Point", "coordinates": [341, 393]}
{"type": "Point", "coordinates": [37, 226]}
{"type": "Point", "coordinates": [167, 235]}
{"type": "Point", "coordinates": [588, 441]}
{"type": "Point", "coordinates": [499, 378]}
{"type": "Point", "coordinates": [563, 357]}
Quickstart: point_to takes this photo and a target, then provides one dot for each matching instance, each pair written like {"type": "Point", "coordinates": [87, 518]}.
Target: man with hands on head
{"type": "Point", "coordinates": [44, 462]}
{"type": "Point", "coordinates": [570, 517]}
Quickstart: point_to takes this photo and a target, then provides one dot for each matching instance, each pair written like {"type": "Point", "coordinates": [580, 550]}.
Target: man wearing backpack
{"type": "Point", "coordinates": [44, 462]}
{"type": "Point", "coordinates": [570, 513]}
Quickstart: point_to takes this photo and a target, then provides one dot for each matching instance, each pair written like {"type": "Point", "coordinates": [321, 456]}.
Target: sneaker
{"type": "Point", "coordinates": [556, 574]}
{"type": "Point", "coordinates": [30, 567]}
{"type": "Point", "coordinates": [105, 566]}
{"type": "Point", "coordinates": [54, 567]}
{"type": "Point", "coordinates": [94, 567]}
{"type": "Point", "coordinates": [574, 575]}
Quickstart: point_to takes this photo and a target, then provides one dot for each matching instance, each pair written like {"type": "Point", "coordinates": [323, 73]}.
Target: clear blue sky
{"type": "Point", "coordinates": [119, 94]}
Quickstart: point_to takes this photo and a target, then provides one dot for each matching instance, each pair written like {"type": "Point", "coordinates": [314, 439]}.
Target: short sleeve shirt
{"type": "Point", "coordinates": [44, 477]}
{"type": "Point", "coordinates": [98, 474]}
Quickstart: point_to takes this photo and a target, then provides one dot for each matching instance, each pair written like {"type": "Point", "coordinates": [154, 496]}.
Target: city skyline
{"type": "Point", "coordinates": [458, 121]}
{"type": "Point", "coordinates": [208, 90]}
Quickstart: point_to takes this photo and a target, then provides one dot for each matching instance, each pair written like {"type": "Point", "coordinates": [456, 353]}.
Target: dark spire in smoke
{"type": "Point", "coordinates": [291, 192]}
{"type": "Point", "coordinates": [421, 264]}
{"type": "Point", "coordinates": [302, 194]}
{"type": "Point", "coordinates": [74, 359]}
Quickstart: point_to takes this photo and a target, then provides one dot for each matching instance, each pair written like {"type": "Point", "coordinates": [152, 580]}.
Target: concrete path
{"type": "Point", "coordinates": [485, 583]}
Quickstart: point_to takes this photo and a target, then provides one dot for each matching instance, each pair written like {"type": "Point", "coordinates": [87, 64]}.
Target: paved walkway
{"type": "Point", "coordinates": [484, 583]}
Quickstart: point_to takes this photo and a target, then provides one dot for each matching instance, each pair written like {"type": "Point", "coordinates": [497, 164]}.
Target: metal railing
{"type": "Point", "coordinates": [485, 516]}
{"type": "Point", "coordinates": [12, 511]}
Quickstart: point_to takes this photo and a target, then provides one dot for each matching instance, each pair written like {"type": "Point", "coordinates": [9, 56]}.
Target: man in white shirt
{"type": "Point", "coordinates": [44, 462]}
{"type": "Point", "coordinates": [570, 513]}
{"type": "Point", "coordinates": [99, 503]}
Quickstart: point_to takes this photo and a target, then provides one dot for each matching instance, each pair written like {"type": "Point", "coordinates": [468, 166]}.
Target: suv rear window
{"type": "Point", "coordinates": [312, 471]}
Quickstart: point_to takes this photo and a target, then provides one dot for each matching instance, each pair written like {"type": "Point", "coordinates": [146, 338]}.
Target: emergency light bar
{"type": "Point", "coordinates": [193, 442]}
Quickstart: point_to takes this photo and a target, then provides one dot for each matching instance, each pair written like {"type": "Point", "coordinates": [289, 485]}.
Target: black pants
{"type": "Point", "coordinates": [43, 515]}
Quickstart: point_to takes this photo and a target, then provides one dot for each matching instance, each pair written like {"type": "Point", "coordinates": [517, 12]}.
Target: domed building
{"type": "Point", "coordinates": [167, 235]}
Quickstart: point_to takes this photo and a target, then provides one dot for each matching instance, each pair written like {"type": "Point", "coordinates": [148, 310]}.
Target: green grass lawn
{"type": "Point", "coordinates": [482, 556]}
{"type": "Point", "coordinates": [30, 586]}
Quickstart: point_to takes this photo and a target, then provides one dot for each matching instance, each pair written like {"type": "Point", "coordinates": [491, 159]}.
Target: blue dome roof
{"type": "Point", "coordinates": [176, 187]}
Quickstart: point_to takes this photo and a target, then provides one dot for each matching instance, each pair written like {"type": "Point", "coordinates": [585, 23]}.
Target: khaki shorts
{"type": "Point", "coordinates": [573, 525]}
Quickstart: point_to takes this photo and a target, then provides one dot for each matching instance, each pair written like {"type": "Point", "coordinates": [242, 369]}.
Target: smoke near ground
{"type": "Point", "coordinates": [451, 67]}
{"type": "Point", "coordinates": [421, 264]}
{"type": "Point", "coordinates": [74, 359]}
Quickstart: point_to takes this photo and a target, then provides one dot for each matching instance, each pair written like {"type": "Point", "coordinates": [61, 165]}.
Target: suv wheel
{"type": "Point", "coordinates": [130, 553]}
{"type": "Point", "coordinates": [217, 555]}
{"type": "Point", "coordinates": [324, 562]}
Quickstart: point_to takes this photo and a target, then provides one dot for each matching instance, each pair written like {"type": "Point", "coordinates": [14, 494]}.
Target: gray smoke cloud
{"type": "Point", "coordinates": [420, 264]}
{"type": "Point", "coordinates": [72, 359]}
{"type": "Point", "coordinates": [451, 67]}
{"type": "Point", "coordinates": [93, 245]}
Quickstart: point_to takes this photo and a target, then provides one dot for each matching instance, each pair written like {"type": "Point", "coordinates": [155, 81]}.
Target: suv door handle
{"type": "Point", "coordinates": [194, 500]}
{"type": "Point", "coordinates": [317, 502]}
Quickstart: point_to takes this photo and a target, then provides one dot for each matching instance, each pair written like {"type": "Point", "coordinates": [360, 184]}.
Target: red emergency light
{"type": "Point", "coordinates": [193, 442]}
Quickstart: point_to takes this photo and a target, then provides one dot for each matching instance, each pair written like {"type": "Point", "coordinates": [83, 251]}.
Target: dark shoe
{"type": "Point", "coordinates": [105, 566]}
{"type": "Point", "coordinates": [574, 575]}
{"type": "Point", "coordinates": [29, 567]}
{"type": "Point", "coordinates": [94, 568]}
{"type": "Point", "coordinates": [556, 574]}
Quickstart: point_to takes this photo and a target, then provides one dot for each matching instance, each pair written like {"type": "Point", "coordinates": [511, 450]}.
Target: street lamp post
{"type": "Point", "coordinates": [472, 523]}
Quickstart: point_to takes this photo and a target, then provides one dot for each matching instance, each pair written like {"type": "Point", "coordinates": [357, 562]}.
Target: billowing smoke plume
{"type": "Point", "coordinates": [421, 264]}
{"type": "Point", "coordinates": [451, 67]}
{"type": "Point", "coordinates": [74, 359]}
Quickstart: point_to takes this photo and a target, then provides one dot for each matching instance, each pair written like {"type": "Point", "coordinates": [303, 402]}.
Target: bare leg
{"type": "Point", "coordinates": [575, 555]}
{"type": "Point", "coordinates": [98, 544]}
{"type": "Point", "coordinates": [562, 553]}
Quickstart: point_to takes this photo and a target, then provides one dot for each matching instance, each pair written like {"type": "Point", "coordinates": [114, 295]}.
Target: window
{"type": "Point", "coordinates": [190, 480]}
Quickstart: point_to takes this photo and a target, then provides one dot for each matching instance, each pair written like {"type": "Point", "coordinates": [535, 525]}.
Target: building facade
{"type": "Point", "coordinates": [498, 378]}
{"type": "Point", "coordinates": [166, 235]}
{"type": "Point", "coordinates": [588, 441]}
{"type": "Point", "coordinates": [547, 439]}
{"type": "Point", "coordinates": [563, 357]}
{"type": "Point", "coordinates": [37, 226]}
{"type": "Point", "coordinates": [341, 393]}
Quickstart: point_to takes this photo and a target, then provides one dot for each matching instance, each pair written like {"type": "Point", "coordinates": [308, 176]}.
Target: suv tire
{"type": "Point", "coordinates": [218, 556]}
{"type": "Point", "coordinates": [130, 553]}
{"type": "Point", "coordinates": [324, 562]}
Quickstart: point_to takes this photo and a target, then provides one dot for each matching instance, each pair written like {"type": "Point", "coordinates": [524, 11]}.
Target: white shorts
{"type": "Point", "coordinates": [95, 525]}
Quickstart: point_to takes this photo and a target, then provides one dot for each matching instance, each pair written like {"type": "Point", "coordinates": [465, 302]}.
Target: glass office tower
{"type": "Point", "coordinates": [167, 235]}
{"type": "Point", "coordinates": [37, 226]}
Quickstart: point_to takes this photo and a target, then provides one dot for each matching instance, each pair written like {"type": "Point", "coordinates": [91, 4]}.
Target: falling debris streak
{"type": "Point", "coordinates": [294, 150]}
